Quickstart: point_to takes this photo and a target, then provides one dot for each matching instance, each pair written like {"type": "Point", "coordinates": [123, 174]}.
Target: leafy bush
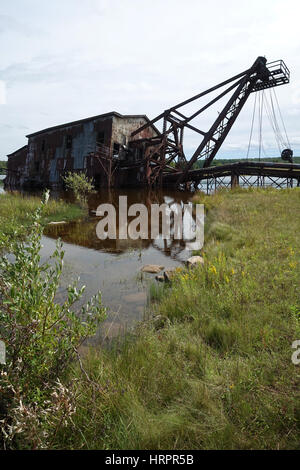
{"type": "Point", "coordinates": [42, 338]}
{"type": "Point", "coordinates": [80, 184]}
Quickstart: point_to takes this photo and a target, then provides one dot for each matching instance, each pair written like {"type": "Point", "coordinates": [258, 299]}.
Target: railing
{"type": "Point", "coordinates": [279, 75]}
{"type": "Point", "coordinates": [278, 67]}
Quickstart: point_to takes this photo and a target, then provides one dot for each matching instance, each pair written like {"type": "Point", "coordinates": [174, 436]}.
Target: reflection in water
{"type": "Point", "coordinates": [113, 266]}
{"type": "Point", "coordinates": [83, 232]}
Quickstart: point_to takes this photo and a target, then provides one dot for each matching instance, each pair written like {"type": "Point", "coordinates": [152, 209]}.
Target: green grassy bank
{"type": "Point", "coordinates": [16, 211]}
{"type": "Point", "coordinates": [213, 369]}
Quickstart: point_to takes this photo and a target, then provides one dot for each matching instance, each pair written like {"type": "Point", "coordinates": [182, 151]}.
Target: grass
{"type": "Point", "coordinates": [15, 211]}
{"type": "Point", "coordinates": [212, 369]}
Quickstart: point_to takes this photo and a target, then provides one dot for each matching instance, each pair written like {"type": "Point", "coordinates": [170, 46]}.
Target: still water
{"type": "Point", "coordinates": [113, 266]}
{"type": "Point", "coordinates": [1, 185]}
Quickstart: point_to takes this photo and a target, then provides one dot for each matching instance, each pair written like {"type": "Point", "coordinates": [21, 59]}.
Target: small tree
{"type": "Point", "coordinates": [80, 184]}
{"type": "Point", "coordinates": [42, 338]}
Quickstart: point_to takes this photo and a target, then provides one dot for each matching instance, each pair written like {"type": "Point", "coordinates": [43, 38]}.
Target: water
{"type": "Point", "coordinates": [244, 183]}
{"type": "Point", "coordinates": [1, 185]}
{"type": "Point", "coordinates": [113, 266]}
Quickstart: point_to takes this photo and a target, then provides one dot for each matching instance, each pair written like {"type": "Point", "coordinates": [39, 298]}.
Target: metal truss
{"type": "Point", "coordinates": [168, 147]}
{"type": "Point", "coordinates": [214, 183]}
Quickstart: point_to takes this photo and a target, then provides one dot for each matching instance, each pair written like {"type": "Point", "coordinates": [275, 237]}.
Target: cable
{"type": "Point", "coordinates": [276, 122]}
{"type": "Point", "coordinates": [261, 101]}
{"type": "Point", "coordinates": [287, 139]}
{"type": "Point", "coordinates": [273, 124]}
{"type": "Point", "coordinates": [264, 103]}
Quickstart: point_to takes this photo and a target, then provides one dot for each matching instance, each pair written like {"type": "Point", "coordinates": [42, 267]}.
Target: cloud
{"type": "Point", "coordinates": [7, 23]}
{"type": "Point", "coordinates": [62, 61]}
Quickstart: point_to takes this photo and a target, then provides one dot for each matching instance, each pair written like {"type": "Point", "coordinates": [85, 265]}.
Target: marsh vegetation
{"type": "Point", "coordinates": [211, 366]}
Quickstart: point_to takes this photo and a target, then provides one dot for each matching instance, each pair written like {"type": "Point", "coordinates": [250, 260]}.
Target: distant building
{"type": "Point", "coordinates": [99, 146]}
{"type": "Point", "coordinates": [16, 163]}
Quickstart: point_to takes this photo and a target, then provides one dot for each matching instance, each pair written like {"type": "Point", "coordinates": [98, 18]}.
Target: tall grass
{"type": "Point", "coordinates": [217, 373]}
{"type": "Point", "coordinates": [16, 211]}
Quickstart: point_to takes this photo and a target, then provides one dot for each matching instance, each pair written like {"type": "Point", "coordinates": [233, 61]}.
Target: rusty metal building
{"type": "Point", "coordinates": [16, 163]}
{"type": "Point", "coordinates": [99, 146]}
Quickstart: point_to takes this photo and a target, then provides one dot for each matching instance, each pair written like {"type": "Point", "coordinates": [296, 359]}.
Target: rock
{"type": "Point", "coordinates": [169, 274]}
{"type": "Point", "coordinates": [152, 268]}
{"type": "Point", "coordinates": [56, 223]}
{"type": "Point", "coordinates": [195, 260]}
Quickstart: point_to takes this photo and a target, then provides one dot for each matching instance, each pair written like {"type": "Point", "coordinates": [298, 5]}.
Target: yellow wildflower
{"type": "Point", "coordinates": [213, 269]}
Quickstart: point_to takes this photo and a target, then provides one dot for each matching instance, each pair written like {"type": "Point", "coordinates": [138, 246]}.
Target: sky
{"type": "Point", "coordinates": [70, 59]}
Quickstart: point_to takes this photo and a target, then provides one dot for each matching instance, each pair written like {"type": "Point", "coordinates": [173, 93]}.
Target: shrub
{"type": "Point", "coordinates": [42, 338]}
{"type": "Point", "coordinates": [80, 184]}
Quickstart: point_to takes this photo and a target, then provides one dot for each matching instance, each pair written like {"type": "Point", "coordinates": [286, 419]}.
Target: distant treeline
{"type": "Point", "coordinates": [3, 165]}
{"type": "Point", "coordinates": [227, 161]}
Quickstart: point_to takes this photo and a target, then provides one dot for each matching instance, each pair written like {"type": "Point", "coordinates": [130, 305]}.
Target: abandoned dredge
{"type": "Point", "coordinates": [124, 150]}
{"type": "Point", "coordinates": [97, 146]}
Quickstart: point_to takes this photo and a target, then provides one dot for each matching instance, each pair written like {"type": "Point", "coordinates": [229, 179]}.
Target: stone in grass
{"type": "Point", "coordinates": [152, 268]}
{"type": "Point", "coordinates": [195, 261]}
{"type": "Point", "coordinates": [169, 274]}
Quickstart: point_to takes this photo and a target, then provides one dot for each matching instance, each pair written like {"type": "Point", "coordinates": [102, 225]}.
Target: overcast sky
{"type": "Point", "coordinates": [69, 59]}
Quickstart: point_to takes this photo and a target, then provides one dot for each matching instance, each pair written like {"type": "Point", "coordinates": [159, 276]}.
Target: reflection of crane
{"type": "Point", "coordinates": [167, 148]}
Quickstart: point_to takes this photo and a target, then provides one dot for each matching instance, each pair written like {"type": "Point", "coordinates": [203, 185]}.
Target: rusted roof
{"type": "Point", "coordinates": [16, 151]}
{"type": "Point", "coordinates": [80, 121]}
